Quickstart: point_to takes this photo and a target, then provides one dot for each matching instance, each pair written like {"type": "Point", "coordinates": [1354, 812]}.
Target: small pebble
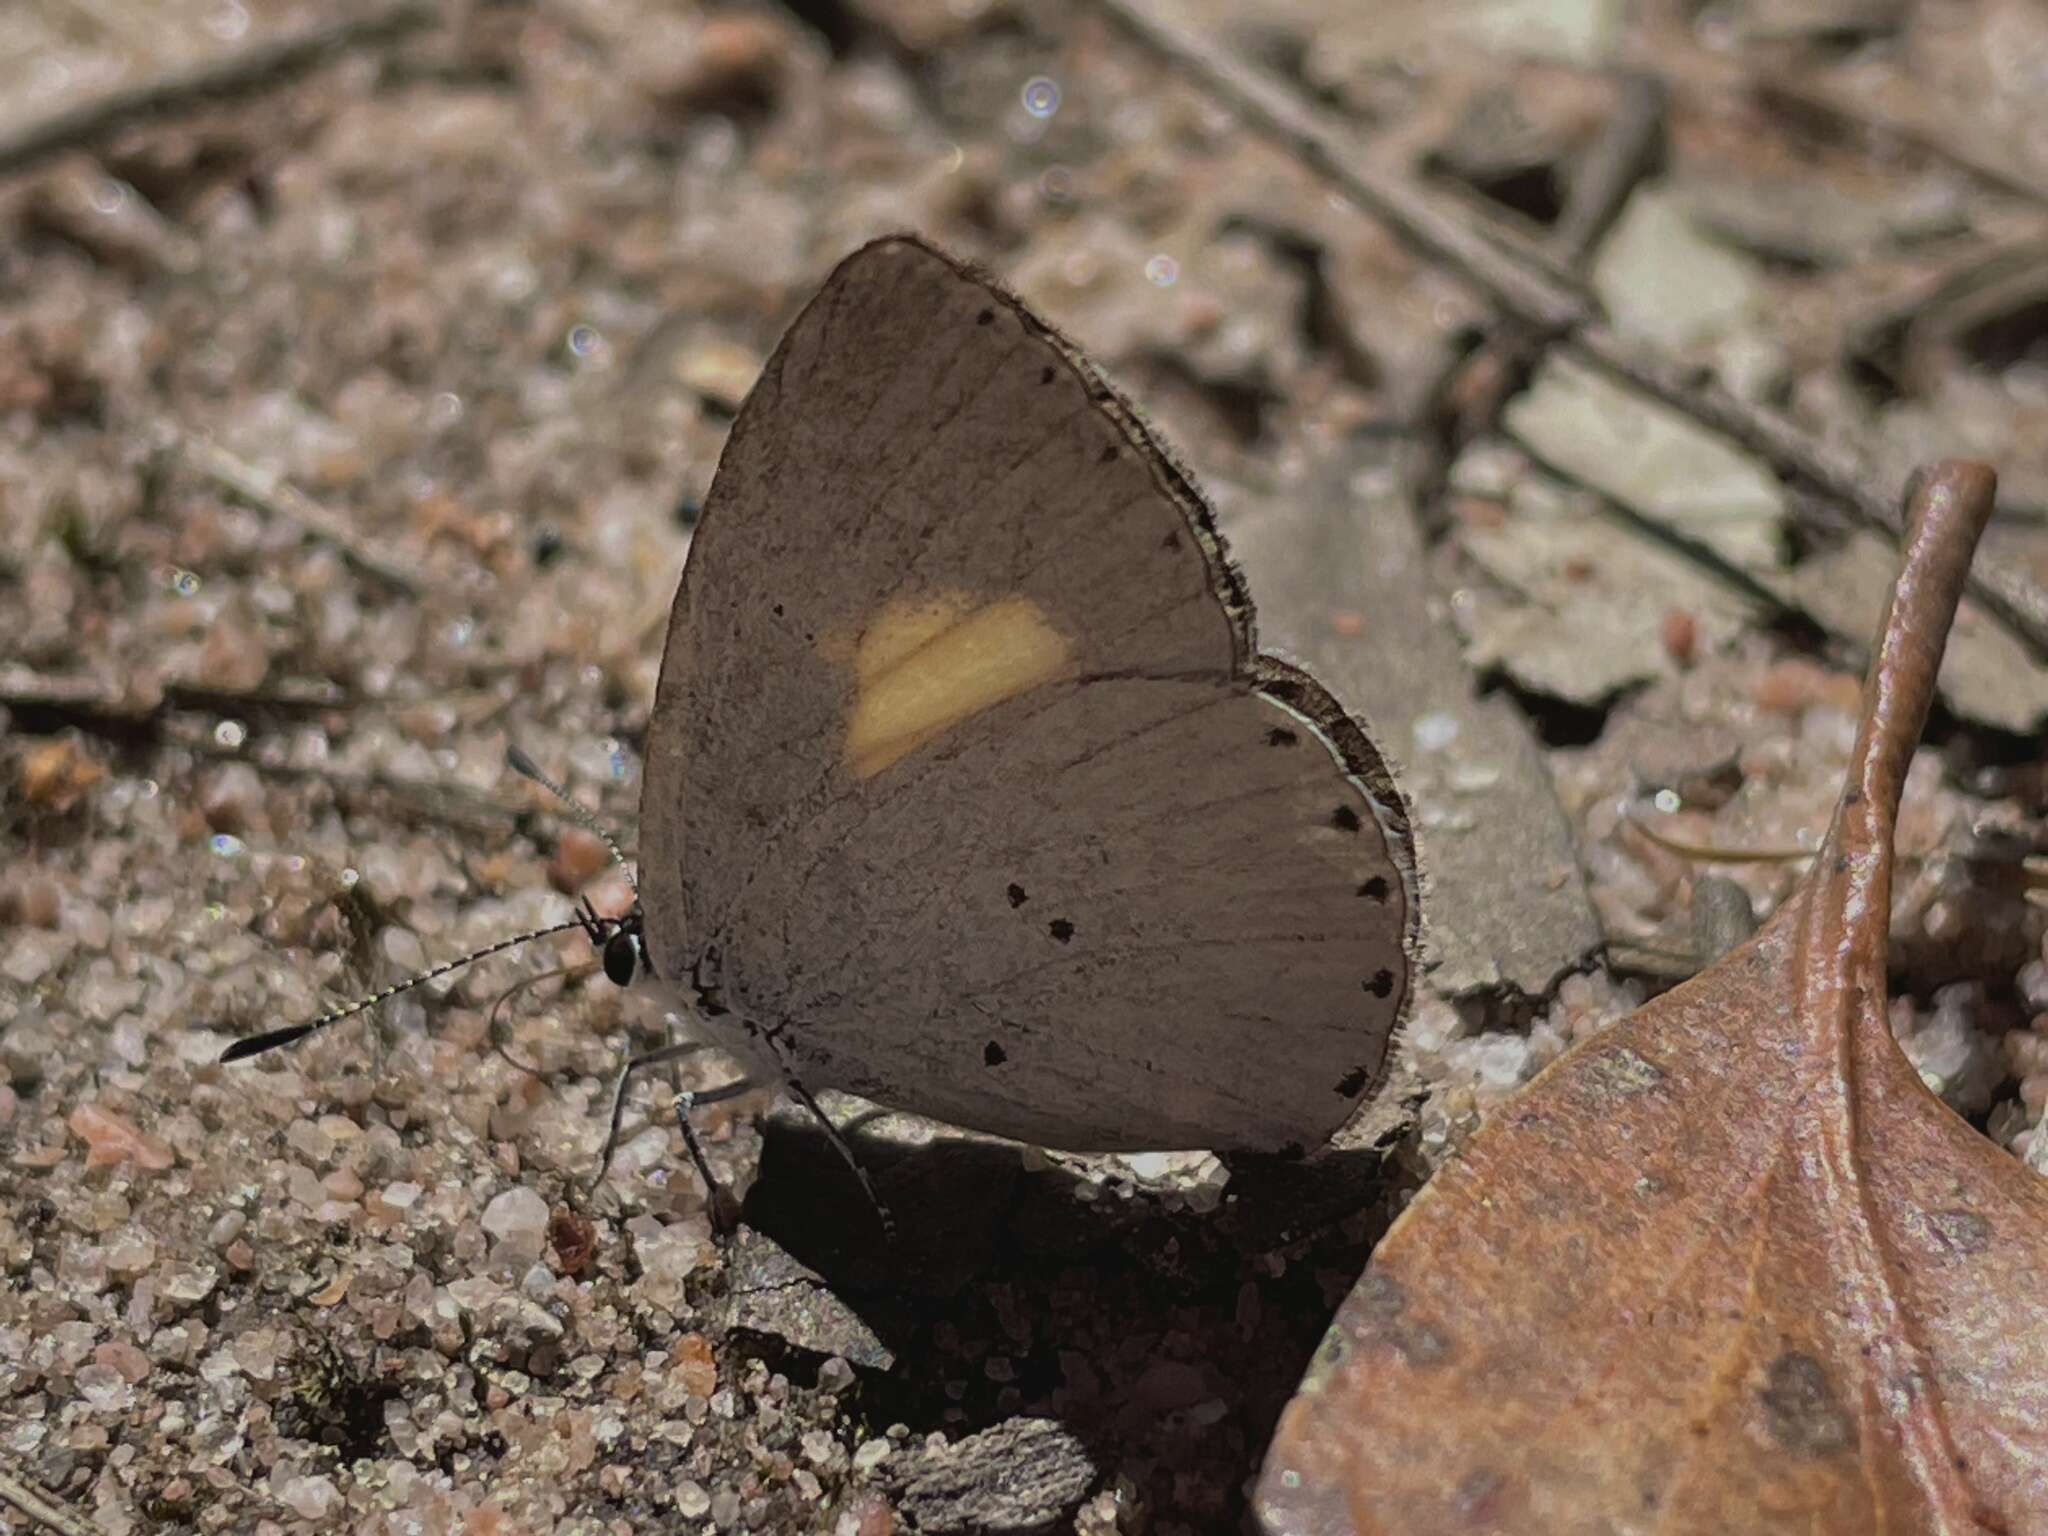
{"type": "Point", "coordinates": [1679, 633]}
{"type": "Point", "coordinates": [131, 1253]}
{"type": "Point", "coordinates": [579, 859]}
{"type": "Point", "coordinates": [1436, 731]}
{"type": "Point", "coordinates": [312, 1498]}
{"type": "Point", "coordinates": [33, 902]}
{"type": "Point", "coordinates": [110, 1139]}
{"type": "Point", "coordinates": [739, 64]}
{"type": "Point", "coordinates": [104, 1389]}
{"type": "Point", "coordinates": [871, 1455]}
{"type": "Point", "coordinates": [343, 1185]}
{"type": "Point", "coordinates": [695, 1366]}
{"type": "Point", "coordinates": [1794, 686]}
{"type": "Point", "coordinates": [517, 1213]}
{"type": "Point", "coordinates": [311, 1143]}
{"type": "Point", "coordinates": [231, 799]}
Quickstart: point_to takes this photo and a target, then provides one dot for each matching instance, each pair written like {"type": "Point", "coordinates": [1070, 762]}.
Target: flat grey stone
{"type": "Point", "coordinates": [1022, 1476]}
{"type": "Point", "coordinates": [773, 1293]}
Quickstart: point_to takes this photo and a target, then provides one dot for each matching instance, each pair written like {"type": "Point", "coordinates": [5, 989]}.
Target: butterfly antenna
{"type": "Point", "coordinates": [270, 1040]}
{"type": "Point", "coordinates": [517, 760]}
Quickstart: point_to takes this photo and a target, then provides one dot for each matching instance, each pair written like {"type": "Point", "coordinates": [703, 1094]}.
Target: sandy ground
{"type": "Point", "coordinates": [354, 428]}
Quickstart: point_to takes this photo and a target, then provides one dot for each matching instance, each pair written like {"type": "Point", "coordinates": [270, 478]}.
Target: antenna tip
{"type": "Point", "coordinates": [270, 1039]}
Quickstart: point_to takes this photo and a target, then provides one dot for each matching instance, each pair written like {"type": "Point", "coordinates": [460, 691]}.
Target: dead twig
{"type": "Point", "coordinates": [1526, 291]}
{"type": "Point", "coordinates": [1697, 552]}
{"type": "Point", "coordinates": [273, 494]}
{"type": "Point", "coordinates": [89, 703]}
{"type": "Point", "coordinates": [1467, 397]}
{"type": "Point", "coordinates": [41, 1509]}
{"type": "Point", "coordinates": [44, 704]}
{"type": "Point", "coordinates": [1929, 134]}
{"type": "Point", "coordinates": [2001, 279]}
{"type": "Point", "coordinates": [1523, 289]}
{"type": "Point", "coordinates": [1631, 143]}
{"type": "Point", "coordinates": [1710, 853]}
{"type": "Point", "coordinates": [261, 67]}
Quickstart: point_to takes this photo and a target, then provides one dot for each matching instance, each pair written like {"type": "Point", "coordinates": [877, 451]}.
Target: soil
{"type": "Point", "coordinates": [356, 406]}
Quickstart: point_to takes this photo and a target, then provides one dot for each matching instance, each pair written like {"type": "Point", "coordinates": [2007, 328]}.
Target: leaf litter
{"type": "Point", "coordinates": [1729, 1266]}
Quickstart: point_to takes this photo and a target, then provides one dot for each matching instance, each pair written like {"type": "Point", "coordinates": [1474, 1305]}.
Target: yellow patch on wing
{"type": "Point", "coordinates": [922, 666]}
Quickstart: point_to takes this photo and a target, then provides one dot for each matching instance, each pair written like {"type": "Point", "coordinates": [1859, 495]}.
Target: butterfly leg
{"type": "Point", "coordinates": [725, 1215]}
{"type": "Point", "coordinates": [675, 1051]}
{"type": "Point", "coordinates": [839, 1143]}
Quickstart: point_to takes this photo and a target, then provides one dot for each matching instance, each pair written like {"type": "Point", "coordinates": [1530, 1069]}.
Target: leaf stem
{"type": "Point", "coordinates": [1947, 506]}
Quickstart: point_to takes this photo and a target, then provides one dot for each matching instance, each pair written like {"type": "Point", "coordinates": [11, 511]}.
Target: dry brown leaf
{"type": "Point", "coordinates": [1728, 1267]}
{"type": "Point", "coordinates": [56, 775]}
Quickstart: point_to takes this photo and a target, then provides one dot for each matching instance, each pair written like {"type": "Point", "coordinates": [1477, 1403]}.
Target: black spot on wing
{"type": "Point", "coordinates": [1345, 819]}
{"type": "Point", "coordinates": [1382, 982]}
{"type": "Point", "coordinates": [993, 1055]}
{"type": "Point", "coordinates": [1061, 929]}
{"type": "Point", "coordinates": [1017, 896]}
{"type": "Point", "coordinates": [1280, 736]}
{"type": "Point", "coordinates": [1352, 1083]}
{"type": "Point", "coordinates": [1374, 889]}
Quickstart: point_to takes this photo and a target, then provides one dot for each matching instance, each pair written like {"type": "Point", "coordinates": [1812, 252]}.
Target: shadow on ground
{"type": "Point", "coordinates": [1087, 1333]}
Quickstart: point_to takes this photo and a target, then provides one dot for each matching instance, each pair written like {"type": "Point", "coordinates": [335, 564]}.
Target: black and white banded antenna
{"type": "Point", "coordinates": [517, 760]}
{"type": "Point", "coordinates": [610, 936]}
{"type": "Point", "coordinates": [616, 939]}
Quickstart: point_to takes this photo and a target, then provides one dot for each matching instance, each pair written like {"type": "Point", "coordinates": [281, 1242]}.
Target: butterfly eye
{"type": "Point", "coordinates": [621, 958]}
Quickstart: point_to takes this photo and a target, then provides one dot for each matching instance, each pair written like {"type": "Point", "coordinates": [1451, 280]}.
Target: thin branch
{"type": "Point", "coordinates": [1928, 133]}
{"type": "Point", "coordinates": [1672, 534]}
{"type": "Point", "coordinates": [261, 67]}
{"type": "Point", "coordinates": [1523, 289]}
{"type": "Point", "coordinates": [1630, 145]}
{"type": "Point", "coordinates": [1469, 394]}
{"type": "Point", "coordinates": [1527, 292]}
{"type": "Point", "coordinates": [277, 496]}
{"type": "Point", "coordinates": [41, 1509]}
{"type": "Point", "coordinates": [41, 703]}
{"type": "Point", "coordinates": [87, 702]}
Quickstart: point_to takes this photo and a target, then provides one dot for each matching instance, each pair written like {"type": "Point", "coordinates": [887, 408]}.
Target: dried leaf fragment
{"type": "Point", "coordinates": [573, 1238]}
{"type": "Point", "coordinates": [111, 1139]}
{"type": "Point", "coordinates": [1728, 1267]}
{"type": "Point", "coordinates": [56, 775]}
